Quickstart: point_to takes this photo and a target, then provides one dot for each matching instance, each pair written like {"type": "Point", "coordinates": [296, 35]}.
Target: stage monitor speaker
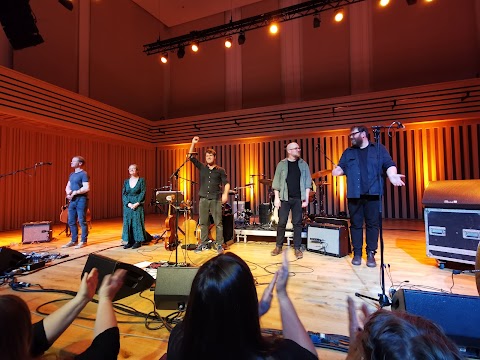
{"type": "Point", "coordinates": [10, 260]}
{"type": "Point", "coordinates": [19, 23]}
{"type": "Point", "coordinates": [173, 286]}
{"type": "Point", "coordinates": [136, 280]}
{"type": "Point", "coordinates": [452, 194]}
{"type": "Point", "coordinates": [457, 315]}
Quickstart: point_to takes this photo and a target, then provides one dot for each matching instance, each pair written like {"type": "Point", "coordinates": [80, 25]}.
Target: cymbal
{"type": "Point", "coordinates": [267, 182]}
{"type": "Point", "coordinates": [321, 173]}
{"type": "Point", "coordinates": [321, 183]}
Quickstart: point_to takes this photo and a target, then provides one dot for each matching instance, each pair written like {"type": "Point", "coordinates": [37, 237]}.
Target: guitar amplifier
{"type": "Point", "coordinates": [40, 231]}
{"type": "Point", "coordinates": [327, 239]}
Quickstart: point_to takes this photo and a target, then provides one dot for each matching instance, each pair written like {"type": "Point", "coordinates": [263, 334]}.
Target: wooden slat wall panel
{"type": "Point", "coordinates": [37, 195]}
{"type": "Point", "coordinates": [423, 152]}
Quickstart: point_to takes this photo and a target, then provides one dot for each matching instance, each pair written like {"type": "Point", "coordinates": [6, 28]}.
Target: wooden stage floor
{"type": "Point", "coordinates": [318, 286]}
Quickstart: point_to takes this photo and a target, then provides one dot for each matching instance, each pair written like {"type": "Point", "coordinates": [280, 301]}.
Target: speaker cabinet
{"type": "Point", "coordinates": [40, 231]}
{"type": "Point", "coordinates": [327, 239]}
{"type": "Point", "coordinates": [452, 194]}
{"type": "Point", "coordinates": [19, 23]}
{"type": "Point", "coordinates": [457, 315]}
{"type": "Point", "coordinates": [173, 286]}
{"type": "Point", "coordinates": [136, 280]}
{"type": "Point", "coordinates": [10, 260]}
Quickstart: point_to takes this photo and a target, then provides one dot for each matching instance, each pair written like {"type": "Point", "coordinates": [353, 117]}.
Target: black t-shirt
{"type": "Point", "coordinates": [363, 156]}
{"type": "Point", "coordinates": [283, 349]}
{"type": "Point", "coordinates": [105, 346]}
{"type": "Point", "coordinates": [293, 180]}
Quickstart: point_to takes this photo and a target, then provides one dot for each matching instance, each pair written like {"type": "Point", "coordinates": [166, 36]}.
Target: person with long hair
{"type": "Point", "coordinates": [133, 198]}
{"type": "Point", "coordinates": [223, 312]}
{"type": "Point", "coordinates": [396, 335]}
{"type": "Point", "coordinates": [20, 340]}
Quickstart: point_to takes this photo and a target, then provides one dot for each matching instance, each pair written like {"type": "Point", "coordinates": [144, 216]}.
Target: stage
{"type": "Point", "coordinates": [318, 286]}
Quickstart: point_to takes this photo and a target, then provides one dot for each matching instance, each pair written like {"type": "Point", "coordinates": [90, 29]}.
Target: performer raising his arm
{"type": "Point", "coordinates": [77, 193]}
{"type": "Point", "coordinates": [212, 177]}
{"type": "Point", "coordinates": [360, 164]}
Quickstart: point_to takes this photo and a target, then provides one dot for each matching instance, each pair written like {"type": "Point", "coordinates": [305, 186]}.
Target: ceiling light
{"type": "Point", "coordinates": [338, 15]}
{"type": "Point", "coordinates": [195, 47]}
{"type": "Point", "coordinates": [384, 2]}
{"type": "Point", "coordinates": [241, 38]}
{"type": "Point", "coordinates": [273, 28]}
{"type": "Point", "coordinates": [316, 22]}
{"type": "Point", "coordinates": [228, 42]}
{"type": "Point", "coordinates": [164, 58]}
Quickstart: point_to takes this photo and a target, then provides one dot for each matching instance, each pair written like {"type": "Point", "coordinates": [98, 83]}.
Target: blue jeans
{"type": "Point", "coordinates": [78, 209]}
{"type": "Point", "coordinates": [296, 206]}
{"type": "Point", "coordinates": [215, 208]}
{"type": "Point", "coordinates": [366, 208]}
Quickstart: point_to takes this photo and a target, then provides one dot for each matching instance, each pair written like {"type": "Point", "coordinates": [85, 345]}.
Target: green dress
{"type": "Point", "coordinates": [133, 220]}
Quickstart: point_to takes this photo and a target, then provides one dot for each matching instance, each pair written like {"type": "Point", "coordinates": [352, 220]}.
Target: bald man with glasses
{"type": "Point", "coordinates": [361, 164]}
{"type": "Point", "coordinates": [292, 183]}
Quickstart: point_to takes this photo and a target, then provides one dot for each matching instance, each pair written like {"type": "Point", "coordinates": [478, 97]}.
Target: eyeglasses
{"type": "Point", "coordinates": [354, 133]}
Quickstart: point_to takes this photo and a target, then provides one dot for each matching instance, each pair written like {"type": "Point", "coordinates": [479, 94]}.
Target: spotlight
{"type": "Point", "coordinates": [67, 4]}
{"type": "Point", "coordinates": [316, 22]}
{"type": "Point", "coordinates": [411, 2]}
{"type": "Point", "coordinates": [195, 47]}
{"type": "Point", "coordinates": [241, 38]}
{"type": "Point", "coordinates": [273, 28]}
{"type": "Point", "coordinates": [384, 2]}
{"type": "Point", "coordinates": [338, 15]}
{"type": "Point", "coordinates": [228, 42]}
{"type": "Point", "coordinates": [181, 52]}
{"type": "Point", "coordinates": [164, 58]}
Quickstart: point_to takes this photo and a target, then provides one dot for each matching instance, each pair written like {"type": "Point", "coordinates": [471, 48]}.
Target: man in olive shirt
{"type": "Point", "coordinates": [212, 178]}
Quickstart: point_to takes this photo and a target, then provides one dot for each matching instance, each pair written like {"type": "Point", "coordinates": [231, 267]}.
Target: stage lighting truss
{"type": "Point", "coordinates": [307, 8]}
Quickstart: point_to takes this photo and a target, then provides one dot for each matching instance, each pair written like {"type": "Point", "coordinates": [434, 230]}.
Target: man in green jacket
{"type": "Point", "coordinates": [291, 184]}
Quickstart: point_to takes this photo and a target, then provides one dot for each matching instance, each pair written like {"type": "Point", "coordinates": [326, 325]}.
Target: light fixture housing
{"type": "Point", "coordinates": [228, 42]}
{"type": "Point", "coordinates": [316, 22]}
{"type": "Point", "coordinates": [273, 29]}
{"type": "Point", "coordinates": [195, 46]}
{"type": "Point", "coordinates": [67, 4]}
{"type": "Point", "coordinates": [181, 52]}
{"type": "Point", "coordinates": [411, 2]}
{"type": "Point", "coordinates": [241, 38]}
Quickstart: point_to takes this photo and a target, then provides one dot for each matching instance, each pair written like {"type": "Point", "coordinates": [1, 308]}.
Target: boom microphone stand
{"type": "Point", "coordinates": [177, 209]}
{"type": "Point", "coordinates": [383, 299]}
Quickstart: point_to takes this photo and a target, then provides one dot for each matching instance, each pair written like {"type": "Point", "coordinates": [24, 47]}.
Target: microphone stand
{"type": "Point", "coordinates": [383, 299]}
{"type": "Point", "coordinates": [25, 169]}
{"type": "Point", "coordinates": [177, 207]}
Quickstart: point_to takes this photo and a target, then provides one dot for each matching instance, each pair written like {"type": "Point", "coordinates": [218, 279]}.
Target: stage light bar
{"type": "Point", "coordinates": [241, 26]}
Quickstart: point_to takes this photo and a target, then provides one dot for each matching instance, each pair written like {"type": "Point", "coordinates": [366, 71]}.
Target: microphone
{"type": "Point", "coordinates": [43, 163]}
{"type": "Point", "coordinates": [378, 127]}
{"type": "Point", "coordinates": [399, 125]}
{"type": "Point", "coordinates": [193, 153]}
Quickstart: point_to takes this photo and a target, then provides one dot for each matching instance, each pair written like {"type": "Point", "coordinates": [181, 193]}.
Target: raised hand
{"type": "Point", "coordinates": [266, 300]}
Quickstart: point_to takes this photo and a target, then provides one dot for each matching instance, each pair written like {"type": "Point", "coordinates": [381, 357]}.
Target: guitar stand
{"type": "Point", "coordinates": [66, 231]}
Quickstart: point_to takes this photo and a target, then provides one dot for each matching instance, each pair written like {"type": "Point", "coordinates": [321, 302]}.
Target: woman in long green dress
{"type": "Point", "coordinates": [133, 198]}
